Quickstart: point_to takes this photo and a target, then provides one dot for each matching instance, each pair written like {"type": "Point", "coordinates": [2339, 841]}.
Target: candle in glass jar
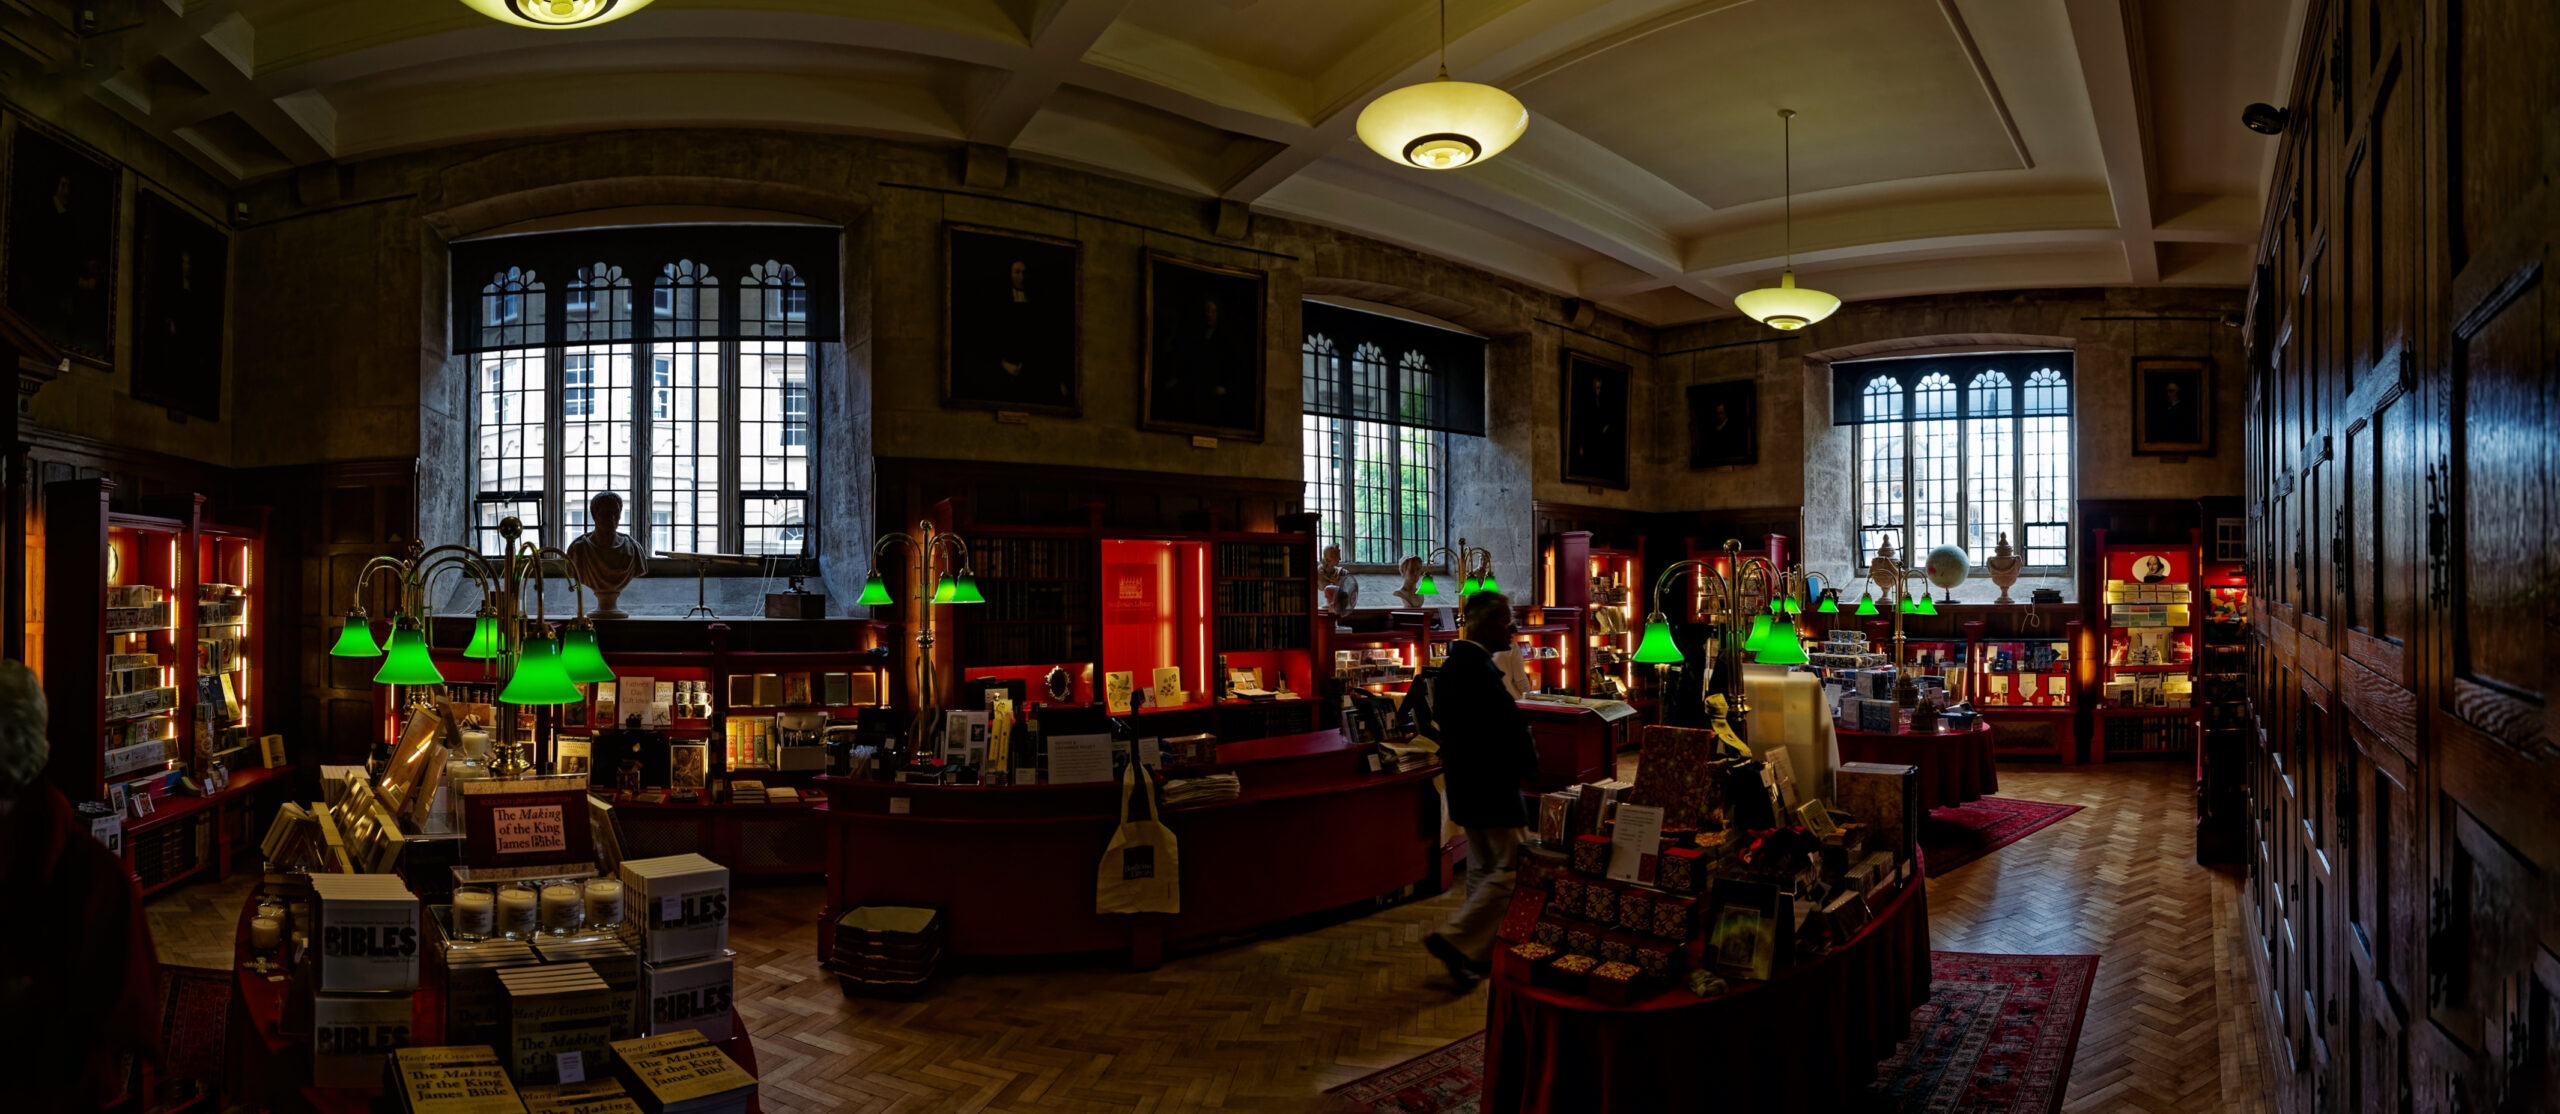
{"type": "Point", "coordinates": [265, 933]}
{"type": "Point", "coordinates": [561, 913]}
{"type": "Point", "coordinates": [474, 914]}
{"type": "Point", "coordinates": [604, 901]}
{"type": "Point", "coordinates": [515, 913]}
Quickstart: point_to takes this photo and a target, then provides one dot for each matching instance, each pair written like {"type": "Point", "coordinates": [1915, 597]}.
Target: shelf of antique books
{"type": "Point", "coordinates": [2151, 611]}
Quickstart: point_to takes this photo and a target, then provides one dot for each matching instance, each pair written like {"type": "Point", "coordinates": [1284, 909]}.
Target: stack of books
{"type": "Point", "coordinates": [556, 1012]}
{"type": "Point", "coordinates": [595, 1096]}
{"type": "Point", "coordinates": [782, 795]}
{"type": "Point", "coordinates": [475, 1002]}
{"type": "Point", "coordinates": [455, 1079]}
{"type": "Point", "coordinates": [682, 1073]}
{"type": "Point", "coordinates": [743, 792]}
{"type": "Point", "coordinates": [613, 961]}
{"type": "Point", "coordinates": [890, 949]}
{"type": "Point", "coordinates": [1205, 789]}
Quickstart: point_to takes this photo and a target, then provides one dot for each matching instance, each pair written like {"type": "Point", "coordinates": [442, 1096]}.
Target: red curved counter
{"type": "Point", "coordinates": [1012, 867]}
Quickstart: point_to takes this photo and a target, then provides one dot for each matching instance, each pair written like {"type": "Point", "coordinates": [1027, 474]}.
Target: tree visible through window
{"type": "Point", "coordinates": [712, 452]}
{"type": "Point", "coordinates": [1961, 451]}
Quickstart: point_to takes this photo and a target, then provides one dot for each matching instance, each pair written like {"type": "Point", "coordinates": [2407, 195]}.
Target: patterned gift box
{"type": "Point", "coordinates": [1550, 931]}
{"type": "Point", "coordinates": [1657, 959]}
{"type": "Point", "coordinates": [1582, 937]}
{"type": "Point", "coordinates": [1528, 959]}
{"type": "Point", "coordinates": [1568, 973]}
{"type": "Point", "coordinates": [1681, 870]}
{"type": "Point", "coordinates": [1676, 771]}
{"type": "Point", "coordinates": [1635, 909]}
{"type": "Point", "coordinates": [1600, 902]}
{"type": "Point", "coordinates": [1619, 947]}
{"type": "Point", "coordinates": [1520, 921]}
{"type": "Point", "coordinates": [1539, 867]}
{"type": "Point", "coordinates": [1679, 837]}
{"type": "Point", "coordinates": [1567, 890]}
{"type": "Point", "coordinates": [1591, 855]}
{"type": "Point", "coordinates": [1675, 918]}
{"type": "Point", "coordinates": [1615, 983]}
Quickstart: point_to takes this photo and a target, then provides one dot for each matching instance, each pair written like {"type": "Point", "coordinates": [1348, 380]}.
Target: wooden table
{"type": "Point", "coordinates": [1955, 766]}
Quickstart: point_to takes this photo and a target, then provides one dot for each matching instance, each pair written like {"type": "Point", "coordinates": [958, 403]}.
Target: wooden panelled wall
{"type": "Point", "coordinates": [2404, 425]}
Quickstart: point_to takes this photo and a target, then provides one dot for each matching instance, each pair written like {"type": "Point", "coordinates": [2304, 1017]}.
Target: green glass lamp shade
{"type": "Point", "coordinates": [1926, 606]}
{"type": "Point", "coordinates": [967, 590]}
{"type": "Point", "coordinates": [1470, 587]}
{"type": "Point", "coordinates": [581, 658]}
{"type": "Point", "coordinates": [1910, 606]}
{"type": "Point", "coordinates": [1758, 639]}
{"type": "Point", "coordinates": [485, 640]}
{"type": "Point", "coordinates": [1866, 605]}
{"type": "Point", "coordinates": [1784, 648]}
{"type": "Point", "coordinates": [1426, 586]}
{"type": "Point", "coordinates": [875, 591]}
{"type": "Point", "coordinates": [1830, 605]}
{"type": "Point", "coordinates": [1488, 584]}
{"type": "Point", "coordinates": [1657, 647]}
{"type": "Point", "coordinates": [407, 662]}
{"type": "Point", "coordinates": [540, 678]}
{"type": "Point", "coordinates": [945, 589]}
{"type": "Point", "coordinates": [355, 640]}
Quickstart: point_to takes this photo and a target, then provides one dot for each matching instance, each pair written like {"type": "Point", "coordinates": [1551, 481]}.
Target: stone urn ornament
{"type": "Point", "coordinates": [2005, 565]}
{"type": "Point", "coordinates": [605, 559]}
{"type": "Point", "coordinates": [1885, 571]}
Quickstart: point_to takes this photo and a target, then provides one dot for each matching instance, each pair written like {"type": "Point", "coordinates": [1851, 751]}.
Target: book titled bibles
{"type": "Point", "coordinates": [682, 1073]}
{"type": "Point", "coordinates": [455, 1079]}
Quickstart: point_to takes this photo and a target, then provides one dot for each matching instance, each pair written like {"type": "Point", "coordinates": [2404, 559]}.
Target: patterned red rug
{"type": "Point", "coordinates": [1996, 1037]}
{"type": "Point", "coordinates": [1959, 834]}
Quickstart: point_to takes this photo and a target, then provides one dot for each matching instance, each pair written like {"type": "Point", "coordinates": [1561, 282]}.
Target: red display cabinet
{"type": "Point", "coordinates": [2150, 610]}
{"type": "Point", "coordinates": [2028, 686]}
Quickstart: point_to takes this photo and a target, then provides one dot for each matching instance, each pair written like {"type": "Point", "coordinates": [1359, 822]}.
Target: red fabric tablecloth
{"type": "Point", "coordinates": [1808, 1040]}
{"type": "Point", "coordinates": [1955, 766]}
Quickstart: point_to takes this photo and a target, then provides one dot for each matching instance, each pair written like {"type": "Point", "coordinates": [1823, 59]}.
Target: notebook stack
{"type": "Point", "coordinates": [556, 1011]}
{"type": "Point", "coordinates": [454, 1079]}
{"type": "Point", "coordinates": [682, 1073]}
{"type": "Point", "coordinates": [888, 949]}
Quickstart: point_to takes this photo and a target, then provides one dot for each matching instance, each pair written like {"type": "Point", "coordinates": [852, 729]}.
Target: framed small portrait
{"type": "Point", "coordinates": [2173, 407]}
{"type": "Point", "coordinates": [1594, 419]}
{"type": "Point", "coordinates": [177, 308]}
{"type": "Point", "coordinates": [61, 273]}
{"type": "Point", "coordinates": [1009, 320]}
{"type": "Point", "coordinates": [1724, 424]}
{"type": "Point", "coordinates": [1205, 350]}
{"type": "Point", "coordinates": [688, 765]}
{"type": "Point", "coordinates": [116, 797]}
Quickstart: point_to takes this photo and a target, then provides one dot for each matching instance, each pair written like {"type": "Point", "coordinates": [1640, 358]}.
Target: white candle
{"type": "Point", "coordinates": [561, 913]}
{"type": "Point", "coordinates": [265, 933]}
{"type": "Point", "coordinates": [515, 913]}
{"type": "Point", "coordinates": [474, 914]}
{"type": "Point", "coordinates": [604, 901]}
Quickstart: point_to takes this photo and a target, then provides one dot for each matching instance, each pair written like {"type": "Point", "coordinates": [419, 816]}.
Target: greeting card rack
{"type": "Point", "coordinates": [2150, 615]}
{"type": "Point", "coordinates": [2027, 684]}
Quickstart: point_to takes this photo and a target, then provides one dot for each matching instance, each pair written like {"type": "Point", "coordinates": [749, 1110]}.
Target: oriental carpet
{"type": "Point", "coordinates": [1996, 1037]}
{"type": "Point", "coordinates": [1958, 834]}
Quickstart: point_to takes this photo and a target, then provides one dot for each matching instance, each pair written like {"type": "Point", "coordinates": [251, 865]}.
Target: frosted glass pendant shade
{"type": "Point", "coordinates": [555, 15]}
{"type": "Point", "coordinates": [1443, 124]}
{"type": "Point", "coordinates": [1786, 305]}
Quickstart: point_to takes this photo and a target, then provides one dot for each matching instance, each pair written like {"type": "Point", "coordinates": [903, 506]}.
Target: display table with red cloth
{"type": "Point", "coordinates": [1807, 1040]}
{"type": "Point", "coordinates": [1315, 828]}
{"type": "Point", "coordinates": [1955, 766]}
{"type": "Point", "coordinates": [272, 1070]}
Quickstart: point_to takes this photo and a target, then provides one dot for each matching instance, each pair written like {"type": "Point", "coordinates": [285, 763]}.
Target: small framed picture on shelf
{"type": "Point", "coordinates": [1742, 941]}
{"type": "Point", "coordinates": [688, 765]}
{"type": "Point", "coordinates": [796, 691]}
{"type": "Point", "coordinates": [116, 797]}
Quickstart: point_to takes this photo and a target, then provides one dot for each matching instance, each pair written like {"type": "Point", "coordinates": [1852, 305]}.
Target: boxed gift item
{"type": "Point", "coordinates": [683, 910]}
{"type": "Point", "coordinates": [1658, 959]}
{"type": "Point", "coordinates": [368, 936]}
{"type": "Point", "coordinates": [1582, 937]}
{"type": "Point", "coordinates": [689, 994]}
{"type": "Point", "coordinates": [1539, 867]}
{"type": "Point", "coordinates": [1520, 921]}
{"type": "Point", "coordinates": [1569, 973]}
{"type": "Point", "coordinates": [1886, 799]}
{"type": "Point", "coordinates": [1600, 901]}
{"type": "Point", "coordinates": [1681, 870]}
{"type": "Point", "coordinates": [1675, 918]}
{"type": "Point", "coordinates": [1591, 855]}
{"type": "Point", "coordinates": [1615, 982]}
{"type": "Point", "coordinates": [1528, 958]}
{"type": "Point", "coordinates": [1567, 890]}
{"type": "Point", "coordinates": [352, 1033]}
{"type": "Point", "coordinates": [1618, 946]}
{"type": "Point", "coordinates": [1635, 909]}
{"type": "Point", "coordinates": [1549, 931]}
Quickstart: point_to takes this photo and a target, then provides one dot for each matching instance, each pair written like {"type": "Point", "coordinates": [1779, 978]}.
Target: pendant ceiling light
{"type": "Point", "coordinates": [1786, 305]}
{"type": "Point", "coordinates": [1442, 124]}
{"type": "Point", "coordinates": [552, 15]}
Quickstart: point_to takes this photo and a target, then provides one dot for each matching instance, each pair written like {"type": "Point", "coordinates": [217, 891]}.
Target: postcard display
{"type": "Point", "coordinates": [1713, 867]}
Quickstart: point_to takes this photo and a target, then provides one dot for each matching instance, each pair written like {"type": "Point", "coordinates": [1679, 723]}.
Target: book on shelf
{"type": "Point", "coordinates": [1260, 559]}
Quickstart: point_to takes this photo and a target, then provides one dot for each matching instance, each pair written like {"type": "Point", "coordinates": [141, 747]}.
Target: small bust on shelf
{"type": "Point", "coordinates": [1411, 567]}
{"type": "Point", "coordinates": [605, 559]}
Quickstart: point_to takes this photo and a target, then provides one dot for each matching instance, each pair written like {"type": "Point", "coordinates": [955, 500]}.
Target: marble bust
{"type": "Point", "coordinates": [605, 559]}
{"type": "Point", "coordinates": [1411, 568]}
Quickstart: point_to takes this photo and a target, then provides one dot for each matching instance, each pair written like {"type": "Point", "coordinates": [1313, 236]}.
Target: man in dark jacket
{"type": "Point", "coordinates": [1485, 753]}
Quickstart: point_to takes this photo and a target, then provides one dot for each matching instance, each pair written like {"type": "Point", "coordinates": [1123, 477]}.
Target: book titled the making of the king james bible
{"type": "Point", "coordinates": [682, 1073]}
{"type": "Point", "coordinates": [455, 1079]}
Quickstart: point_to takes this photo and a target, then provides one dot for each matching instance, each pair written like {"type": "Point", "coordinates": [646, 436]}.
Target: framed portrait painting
{"type": "Point", "coordinates": [177, 307]}
{"type": "Point", "coordinates": [61, 228]}
{"type": "Point", "coordinates": [1205, 352]}
{"type": "Point", "coordinates": [2173, 407]}
{"type": "Point", "coordinates": [1594, 402]}
{"type": "Point", "coordinates": [1724, 423]}
{"type": "Point", "coordinates": [1009, 320]}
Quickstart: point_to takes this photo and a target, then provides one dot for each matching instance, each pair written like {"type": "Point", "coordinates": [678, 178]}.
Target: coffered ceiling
{"type": "Point", "coordinates": [1941, 145]}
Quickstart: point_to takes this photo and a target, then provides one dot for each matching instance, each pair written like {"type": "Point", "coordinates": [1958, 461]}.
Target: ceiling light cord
{"type": "Point", "coordinates": [1787, 175]}
{"type": "Point", "coordinates": [1444, 40]}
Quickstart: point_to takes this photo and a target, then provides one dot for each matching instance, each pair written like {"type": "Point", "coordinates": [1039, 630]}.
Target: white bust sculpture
{"type": "Point", "coordinates": [2004, 565]}
{"type": "Point", "coordinates": [1411, 568]}
{"type": "Point", "coordinates": [605, 559]}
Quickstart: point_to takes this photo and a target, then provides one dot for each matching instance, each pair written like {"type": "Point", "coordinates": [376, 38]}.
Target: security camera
{"type": "Point", "coordinates": [2265, 119]}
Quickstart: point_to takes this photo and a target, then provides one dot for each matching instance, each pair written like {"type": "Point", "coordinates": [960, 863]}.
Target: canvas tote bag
{"type": "Point", "coordinates": [1140, 872]}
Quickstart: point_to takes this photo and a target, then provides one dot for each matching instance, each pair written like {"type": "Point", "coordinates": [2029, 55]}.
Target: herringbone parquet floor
{"type": "Point", "coordinates": [1269, 1024]}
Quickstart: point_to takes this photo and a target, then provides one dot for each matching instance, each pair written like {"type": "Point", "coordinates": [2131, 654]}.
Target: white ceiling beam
{"type": "Point", "coordinates": [1057, 49]}
{"type": "Point", "coordinates": [2111, 65]}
